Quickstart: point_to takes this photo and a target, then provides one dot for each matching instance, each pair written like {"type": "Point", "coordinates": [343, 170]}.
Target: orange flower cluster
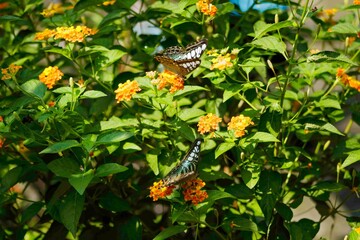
{"type": "Point", "coordinates": [50, 76]}
{"type": "Point", "coordinates": [347, 80]}
{"type": "Point", "coordinates": [208, 123]}
{"type": "Point", "coordinates": [192, 191]}
{"type": "Point", "coordinates": [159, 190]}
{"type": "Point", "coordinates": [54, 8]}
{"type": "Point", "coordinates": [223, 59]}
{"type": "Point", "coordinates": [238, 124]}
{"type": "Point", "coordinates": [10, 72]}
{"type": "Point", "coordinates": [356, 2]}
{"type": "Point", "coordinates": [327, 15]}
{"type": "Point", "coordinates": [206, 7]}
{"type": "Point", "coordinates": [126, 90]}
{"type": "Point", "coordinates": [71, 34]}
{"type": "Point", "coordinates": [167, 78]}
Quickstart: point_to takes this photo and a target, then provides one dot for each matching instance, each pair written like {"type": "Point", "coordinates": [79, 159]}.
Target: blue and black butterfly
{"type": "Point", "coordinates": [187, 167]}
{"type": "Point", "coordinates": [182, 60]}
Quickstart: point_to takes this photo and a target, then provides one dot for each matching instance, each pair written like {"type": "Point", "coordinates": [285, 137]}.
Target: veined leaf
{"type": "Point", "coordinates": [60, 146]}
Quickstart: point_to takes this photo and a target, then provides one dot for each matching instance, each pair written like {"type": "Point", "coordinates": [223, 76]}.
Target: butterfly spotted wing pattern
{"type": "Point", "coordinates": [182, 60]}
{"type": "Point", "coordinates": [187, 167]}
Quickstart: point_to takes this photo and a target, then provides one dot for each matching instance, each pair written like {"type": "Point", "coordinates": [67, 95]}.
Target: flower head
{"type": "Point", "coordinates": [356, 2]}
{"type": "Point", "coordinates": [238, 124]}
{"type": "Point", "coordinates": [206, 7]}
{"type": "Point", "coordinates": [222, 59]}
{"type": "Point", "coordinates": [327, 15]}
{"type": "Point", "coordinates": [70, 34]}
{"type": "Point", "coordinates": [126, 90]}
{"type": "Point", "coordinates": [50, 76]}
{"type": "Point", "coordinates": [53, 9]}
{"type": "Point", "coordinates": [192, 191]}
{"type": "Point", "coordinates": [169, 78]}
{"type": "Point", "coordinates": [10, 72]}
{"type": "Point", "coordinates": [347, 80]}
{"type": "Point", "coordinates": [159, 190]}
{"type": "Point", "coordinates": [111, 2]}
{"type": "Point", "coordinates": [208, 123]}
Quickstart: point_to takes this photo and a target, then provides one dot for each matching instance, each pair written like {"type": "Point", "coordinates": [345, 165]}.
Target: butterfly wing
{"type": "Point", "coordinates": [182, 61]}
{"type": "Point", "coordinates": [187, 167]}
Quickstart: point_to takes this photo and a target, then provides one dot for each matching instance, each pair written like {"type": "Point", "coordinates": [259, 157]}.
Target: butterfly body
{"type": "Point", "coordinates": [186, 168]}
{"type": "Point", "coordinates": [182, 60]}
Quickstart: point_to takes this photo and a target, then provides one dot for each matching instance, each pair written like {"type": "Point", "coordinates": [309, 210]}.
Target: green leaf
{"type": "Point", "coordinates": [113, 137]}
{"type": "Point", "coordinates": [243, 224]}
{"type": "Point", "coordinates": [190, 113]}
{"type": "Point", "coordinates": [31, 211]}
{"type": "Point", "coordinates": [113, 203]}
{"type": "Point", "coordinates": [109, 168]}
{"type": "Point", "coordinates": [170, 231]}
{"type": "Point", "coordinates": [129, 146]}
{"type": "Point", "coordinates": [62, 90]}
{"type": "Point", "coordinates": [329, 186]}
{"type": "Point", "coordinates": [249, 64]}
{"type": "Point", "coordinates": [262, 137]}
{"type": "Point", "coordinates": [81, 181]}
{"type": "Point", "coordinates": [92, 94]}
{"type": "Point", "coordinates": [304, 229]}
{"type": "Point", "coordinates": [64, 167]}
{"type": "Point", "coordinates": [216, 195]}
{"type": "Point", "coordinates": [11, 178]}
{"type": "Point", "coordinates": [108, 58]}
{"type": "Point", "coordinates": [331, 57]}
{"type": "Point", "coordinates": [261, 28]}
{"type": "Point", "coordinates": [131, 229]}
{"type": "Point", "coordinates": [250, 176]}
{"type": "Point", "coordinates": [354, 156]}
{"type": "Point", "coordinates": [271, 43]}
{"type": "Point", "coordinates": [35, 88]}
{"type": "Point", "coordinates": [223, 147]}
{"type": "Point", "coordinates": [328, 102]}
{"type": "Point", "coordinates": [345, 28]}
{"type": "Point", "coordinates": [62, 51]}
{"type": "Point", "coordinates": [70, 211]}
{"type": "Point", "coordinates": [231, 90]}
{"type": "Point", "coordinates": [284, 211]}
{"type": "Point", "coordinates": [152, 160]}
{"type": "Point", "coordinates": [60, 146]}
{"type": "Point", "coordinates": [188, 90]}
{"type": "Point", "coordinates": [322, 126]}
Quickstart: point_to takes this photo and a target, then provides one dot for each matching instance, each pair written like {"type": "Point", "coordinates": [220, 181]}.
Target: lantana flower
{"type": "Point", "coordinates": [238, 125]}
{"type": "Point", "coordinates": [347, 80]}
{"type": "Point", "coordinates": [192, 191]}
{"type": "Point", "coordinates": [208, 123]}
{"type": "Point", "coordinates": [126, 90]}
{"type": "Point", "coordinates": [54, 8]}
{"type": "Point", "coordinates": [107, 3]}
{"type": "Point", "coordinates": [159, 190]}
{"type": "Point", "coordinates": [167, 78]}
{"type": "Point", "coordinates": [327, 15]}
{"type": "Point", "coordinates": [222, 59]}
{"type": "Point", "coordinates": [70, 34]}
{"type": "Point", "coordinates": [10, 72]}
{"type": "Point", "coordinates": [356, 2]}
{"type": "Point", "coordinates": [206, 7]}
{"type": "Point", "coordinates": [50, 76]}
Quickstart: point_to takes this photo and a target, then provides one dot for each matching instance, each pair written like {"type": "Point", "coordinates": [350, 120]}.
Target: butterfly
{"type": "Point", "coordinates": [182, 60]}
{"type": "Point", "coordinates": [187, 168]}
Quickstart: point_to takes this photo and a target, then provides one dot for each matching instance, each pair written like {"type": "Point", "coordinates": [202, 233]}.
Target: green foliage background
{"type": "Point", "coordinates": [82, 168]}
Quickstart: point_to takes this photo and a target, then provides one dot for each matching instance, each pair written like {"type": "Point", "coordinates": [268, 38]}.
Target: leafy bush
{"type": "Point", "coordinates": [87, 126]}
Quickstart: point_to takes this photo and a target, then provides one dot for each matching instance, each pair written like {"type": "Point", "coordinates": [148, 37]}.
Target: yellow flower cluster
{"type": "Point", "coordinates": [356, 2]}
{"type": "Point", "coordinates": [10, 72]}
{"type": "Point", "coordinates": [126, 90]}
{"type": "Point", "coordinates": [222, 59]}
{"type": "Point", "coordinates": [206, 7]}
{"type": "Point", "coordinates": [348, 80]}
{"type": "Point", "coordinates": [50, 76]}
{"type": "Point", "coordinates": [167, 78]}
{"type": "Point", "coordinates": [70, 34]}
{"type": "Point", "coordinates": [238, 124]}
{"type": "Point", "coordinates": [327, 15]}
{"type": "Point", "coordinates": [208, 123]}
{"type": "Point", "coordinates": [54, 8]}
{"type": "Point", "coordinates": [107, 3]}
